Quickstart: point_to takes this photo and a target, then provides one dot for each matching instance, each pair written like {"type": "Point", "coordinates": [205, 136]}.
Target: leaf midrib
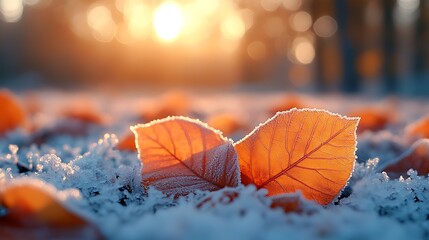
{"type": "Point", "coordinates": [284, 171]}
{"type": "Point", "coordinates": [180, 161]}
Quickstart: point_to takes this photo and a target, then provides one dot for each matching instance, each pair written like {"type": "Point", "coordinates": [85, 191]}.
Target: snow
{"type": "Point", "coordinates": [103, 184]}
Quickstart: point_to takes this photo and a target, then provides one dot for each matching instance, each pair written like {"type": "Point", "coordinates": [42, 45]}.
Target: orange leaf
{"type": "Point", "coordinates": [181, 155]}
{"type": "Point", "coordinates": [173, 103]}
{"type": "Point", "coordinates": [287, 103]}
{"type": "Point", "coordinates": [418, 129]}
{"type": "Point", "coordinates": [226, 123]}
{"type": "Point", "coordinates": [127, 143]}
{"type": "Point", "coordinates": [308, 150]}
{"type": "Point", "coordinates": [40, 214]}
{"type": "Point", "coordinates": [11, 112]}
{"type": "Point", "coordinates": [84, 114]}
{"type": "Point", "coordinates": [416, 158]}
{"type": "Point", "coordinates": [372, 119]}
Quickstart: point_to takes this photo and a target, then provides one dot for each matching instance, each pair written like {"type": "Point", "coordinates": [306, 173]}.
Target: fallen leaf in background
{"type": "Point", "coordinates": [32, 103]}
{"type": "Point", "coordinates": [418, 129]}
{"type": "Point", "coordinates": [287, 103]}
{"type": "Point", "coordinates": [35, 213]}
{"type": "Point", "coordinates": [127, 143]}
{"type": "Point", "coordinates": [174, 103]}
{"type": "Point", "coordinates": [11, 111]}
{"type": "Point", "coordinates": [371, 119]}
{"type": "Point", "coordinates": [227, 123]}
{"type": "Point", "coordinates": [84, 114]}
{"type": "Point", "coordinates": [181, 155]}
{"type": "Point", "coordinates": [416, 158]}
{"type": "Point", "coordinates": [308, 150]}
{"type": "Point", "coordinates": [67, 127]}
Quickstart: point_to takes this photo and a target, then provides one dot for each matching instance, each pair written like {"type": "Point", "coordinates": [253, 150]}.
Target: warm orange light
{"type": "Point", "coordinates": [303, 50]}
{"type": "Point", "coordinates": [99, 18]}
{"type": "Point", "coordinates": [138, 19]}
{"type": "Point", "coordinates": [233, 27]}
{"type": "Point", "coordinates": [11, 10]}
{"type": "Point", "coordinates": [168, 21]}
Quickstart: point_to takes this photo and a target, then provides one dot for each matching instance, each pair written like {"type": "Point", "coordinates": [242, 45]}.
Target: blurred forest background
{"type": "Point", "coordinates": [372, 46]}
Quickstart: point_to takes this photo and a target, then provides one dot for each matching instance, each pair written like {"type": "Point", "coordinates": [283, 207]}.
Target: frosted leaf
{"type": "Point", "coordinates": [181, 155]}
{"type": "Point", "coordinates": [310, 150]}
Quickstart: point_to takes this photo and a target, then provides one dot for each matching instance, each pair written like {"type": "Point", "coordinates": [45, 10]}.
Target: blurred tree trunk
{"type": "Point", "coordinates": [321, 81]}
{"type": "Point", "coordinates": [389, 71]}
{"type": "Point", "coordinates": [350, 79]}
{"type": "Point", "coordinates": [421, 40]}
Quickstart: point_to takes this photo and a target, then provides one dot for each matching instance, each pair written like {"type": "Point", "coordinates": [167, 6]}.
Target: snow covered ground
{"type": "Point", "coordinates": [107, 189]}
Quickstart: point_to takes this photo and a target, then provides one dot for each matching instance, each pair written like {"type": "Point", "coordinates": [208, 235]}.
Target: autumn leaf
{"type": "Point", "coordinates": [84, 113]}
{"type": "Point", "coordinates": [173, 103]}
{"type": "Point", "coordinates": [11, 112]}
{"type": "Point", "coordinates": [372, 119]}
{"type": "Point", "coordinates": [33, 212]}
{"type": "Point", "coordinates": [416, 158]}
{"type": "Point", "coordinates": [181, 155]}
{"type": "Point", "coordinates": [127, 143]}
{"type": "Point", "coordinates": [308, 150]}
{"type": "Point", "coordinates": [287, 103]}
{"type": "Point", "coordinates": [418, 129]}
{"type": "Point", "coordinates": [226, 123]}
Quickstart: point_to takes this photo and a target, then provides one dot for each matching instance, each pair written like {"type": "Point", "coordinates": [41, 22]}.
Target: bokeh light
{"type": "Point", "coordinates": [11, 10]}
{"type": "Point", "coordinates": [253, 40]}
{"type": "Point", "coordinates": [292, 5]}
{"type": "Point", "coordinates": [304, 51]}
{"type": "Point", "coordinates": [256, 50]}
{"type": "Point", "coordinates": [300, 21]}
{"type": "Point", "coordinates": [137, 16]}
{"type": "Point", "coordinates": [168, 21]}
{"type": "Point", "coordinates": [233, 27]}
{"type": "Point", "coordinates": [100, 20]}
{"type": "Point", "coordinates": [325, 26]}
{"type": "Point", "coordinates": [270, 5]}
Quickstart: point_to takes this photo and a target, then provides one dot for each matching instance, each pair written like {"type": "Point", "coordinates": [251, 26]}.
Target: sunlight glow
{"type": "Point", "coordinates": [300, 21]}
{"type": "Point", "coordinates": [325, 26]}
{"type": "Point", "coordinates": [11, 10]}
{"type": "Point", "coordinates": [256, 50]}
{"type": "Point", "coordinates": [304, 50]}
{"type": "Point", "coordinates": [99, 18]}
{"type": "Point", "coordinates": [233, 27]}
{"type": "Point", "coordinates": [138, 20]}
{"type": "Point", "coordinates": [31, 2]}
{"type": "Point", "coordinates": [168, 21]}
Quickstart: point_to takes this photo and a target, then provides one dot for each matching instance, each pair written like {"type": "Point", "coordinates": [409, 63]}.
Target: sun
{"type": "Point", "coordinates": [168, 21]}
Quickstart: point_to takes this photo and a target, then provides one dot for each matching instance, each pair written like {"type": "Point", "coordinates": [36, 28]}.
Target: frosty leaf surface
{"type": "Point", "coordinates": [308, 150]}
{"type": "Point", "coordinates": [181, 155]}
